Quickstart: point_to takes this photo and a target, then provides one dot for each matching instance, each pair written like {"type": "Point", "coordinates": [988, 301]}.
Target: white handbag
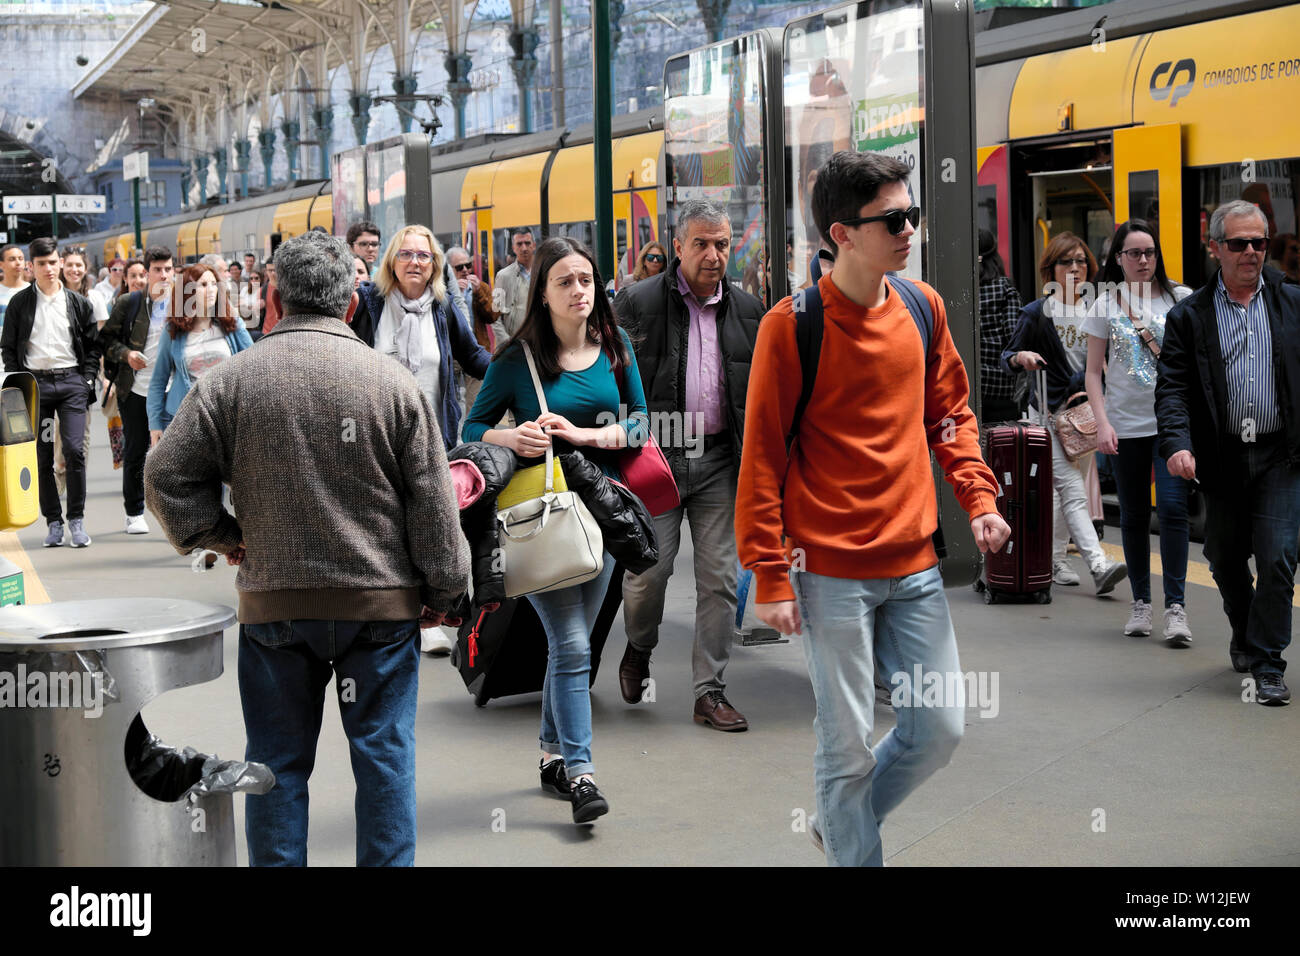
{"type": "Point", "coordinates": [552, 541]}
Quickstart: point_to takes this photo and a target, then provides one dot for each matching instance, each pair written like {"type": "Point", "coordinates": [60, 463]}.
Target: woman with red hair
{"type": "Point", "coordinates": [202, 331]}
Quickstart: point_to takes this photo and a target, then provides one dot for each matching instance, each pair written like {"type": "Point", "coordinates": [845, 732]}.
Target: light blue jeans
{"type": "Point", "coordinates": [852, 631]}
{"type": "Point", "coordinates": [568, 615]}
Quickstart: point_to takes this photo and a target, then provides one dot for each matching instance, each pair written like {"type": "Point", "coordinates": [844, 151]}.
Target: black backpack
{"type": "Point", "coordinates": [810, 320]}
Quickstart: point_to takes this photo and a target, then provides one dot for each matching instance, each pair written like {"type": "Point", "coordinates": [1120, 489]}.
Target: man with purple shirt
{"type": "Point", "coordinates": [694, 334]}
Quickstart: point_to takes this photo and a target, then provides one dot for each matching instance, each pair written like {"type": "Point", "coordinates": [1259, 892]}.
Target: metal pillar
{"type": "Point", "coordinates": [524, 63]}
{"type": "Point", "coordinates": [201, 170]}
{"type": "Point", "coordinates": [323, 117]}
{"type": "Point", "coordinates": [243, 153]}
{"type": "Point", "coordinates": [221, 159]}
{"type": "Point", "coordinates": [360, 103]}
{"type": "Point", "coordinates": [292, 137]}
{"type": "Point", "coordinates": [266, 146]}
{"type": "Point", "coordinates": [602, 113]}
{"type": "Point", "coordinates": [404, 85]}
{"type": "Point", "coordinates": [458, 86]}
{"type": "Point", "coordinates": [187, 180]}
{"type": "Point", "coordinates": [557, 65]}
{"type": "Point", "coordinates": [714, 13]}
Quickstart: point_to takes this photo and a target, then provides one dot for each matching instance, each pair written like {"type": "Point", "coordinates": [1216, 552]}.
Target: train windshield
{"type": "Point", "coordinates": [853, 80]}
{"type": "Point", "coordinates": [713, 144]}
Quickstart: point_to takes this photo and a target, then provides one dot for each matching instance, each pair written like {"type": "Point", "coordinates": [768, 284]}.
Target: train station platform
{"type": "Point", "coordinates": [1097, 750]}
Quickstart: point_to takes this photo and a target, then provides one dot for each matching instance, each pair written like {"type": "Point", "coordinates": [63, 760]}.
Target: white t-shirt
{"type": "Point", "coordinates": [98, 306]}
{"type": "Point", "coordinates": [1130, 366]}
{"type": "Point", "coordinates": [1068, 320]}
{"type": "Point", "coordinates": [429, 377]}
{"type": "Point", "coordinates": [157, 322]}
{"type": "Point", "coordinates": [204, 350]}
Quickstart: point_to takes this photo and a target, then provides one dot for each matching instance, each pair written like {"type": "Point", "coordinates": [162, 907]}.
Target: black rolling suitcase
{"type": "Point", "coordinates": [1020, 455]}
{"type": "Point", "coordinates": [509, 646]}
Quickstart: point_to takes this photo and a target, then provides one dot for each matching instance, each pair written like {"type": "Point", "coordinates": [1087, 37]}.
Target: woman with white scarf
{"type": "Point", "coordinates": [408, 312]}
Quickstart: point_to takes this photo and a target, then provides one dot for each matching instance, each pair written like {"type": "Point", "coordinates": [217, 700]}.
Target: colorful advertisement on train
{"type": "Point", "coordinates": [853, 80]}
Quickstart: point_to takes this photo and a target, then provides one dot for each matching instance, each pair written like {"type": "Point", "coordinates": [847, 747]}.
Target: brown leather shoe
{"type": "Point", "coordinates": [714, 710]}
{"type": "Point", "coordinates": [633, 672]}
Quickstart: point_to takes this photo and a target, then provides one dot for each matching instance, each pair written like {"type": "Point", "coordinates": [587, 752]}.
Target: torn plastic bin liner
{"type": "Point", "coordinates": [168, 774]}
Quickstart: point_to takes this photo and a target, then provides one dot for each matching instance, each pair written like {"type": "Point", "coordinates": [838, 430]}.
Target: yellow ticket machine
{"type": "Point", "coordinates": [19, 492]}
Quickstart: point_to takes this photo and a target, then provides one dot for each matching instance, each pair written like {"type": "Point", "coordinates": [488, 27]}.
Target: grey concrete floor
{"type": "Point", "coordinates": [1106, 750]}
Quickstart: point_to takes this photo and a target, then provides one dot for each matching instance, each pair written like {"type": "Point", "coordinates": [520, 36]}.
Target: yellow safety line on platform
{"type": "Point", "coordinates": [1198, 572]}
{"type": "Point", "coordinates": [33, 590]}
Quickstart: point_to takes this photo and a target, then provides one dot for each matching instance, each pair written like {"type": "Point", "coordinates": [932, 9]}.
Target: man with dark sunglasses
{"type": "Point", "coordinates": [836, 520]}
{"type": "Point", "coordinates": [1228, 409]}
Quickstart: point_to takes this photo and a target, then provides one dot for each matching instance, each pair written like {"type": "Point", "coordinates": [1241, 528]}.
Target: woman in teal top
{"type": "Point", "coordinates": [596, 404]}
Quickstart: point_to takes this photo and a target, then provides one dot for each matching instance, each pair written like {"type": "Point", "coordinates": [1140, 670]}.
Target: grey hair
{"type": "Point", "coordinates": [459, 249]}
{"type": "Point", "coordinates": [1237, 207]}
{"type": "Point", "coordinates": [314, 275]}
{"type": "Point", "coordinates": [700, 210]}
{"type": "Point", "coordinates": [212, 259]}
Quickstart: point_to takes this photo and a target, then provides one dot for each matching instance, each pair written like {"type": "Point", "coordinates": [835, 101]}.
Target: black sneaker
{"type": "Point", "coordinates": [554, 779]}
{"type": "Point", "coordinates": [1271, 690]}
{"type": "Point", "coordinates": [588, 802]}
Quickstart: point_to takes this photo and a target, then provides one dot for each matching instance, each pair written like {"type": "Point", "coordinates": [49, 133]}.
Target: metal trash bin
{"type": "Point", "coordinates": [66, 795]}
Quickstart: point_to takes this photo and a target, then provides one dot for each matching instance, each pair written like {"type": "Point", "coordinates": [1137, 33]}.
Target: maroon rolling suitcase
{"type": "Point", "coordinates": [1020, 455]}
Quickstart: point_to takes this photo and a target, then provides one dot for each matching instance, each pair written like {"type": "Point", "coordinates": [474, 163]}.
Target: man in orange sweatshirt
{"type": "Point", "coordinates": [843, 519]}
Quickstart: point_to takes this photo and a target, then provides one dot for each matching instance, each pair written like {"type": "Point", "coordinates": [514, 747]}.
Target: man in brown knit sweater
{"type": "Point", "coordinates": [347, 539]}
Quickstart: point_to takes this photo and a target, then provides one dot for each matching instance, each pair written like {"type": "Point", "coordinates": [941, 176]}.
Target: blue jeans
{"type": "Point", "coordinates": [1132, 467]}
{"type": "Point", "coordinates": [568, 615]}
{"type": "Point", "coordinates": [854, 630]}
{"type": "Point", "coordinates": [1263, 519]}
{"type": "Point", "coordinates": [284, 669]}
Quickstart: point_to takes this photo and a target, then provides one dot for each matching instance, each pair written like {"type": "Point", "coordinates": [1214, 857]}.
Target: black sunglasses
{"type": "Point", "coordinates": [463, 267]}
{"type": "Point", "coordinates": [1258, 243]}
{"type": "Point", "coordinates": [894, 220]}
{"type": "Point", "coordinates": [654, 257]}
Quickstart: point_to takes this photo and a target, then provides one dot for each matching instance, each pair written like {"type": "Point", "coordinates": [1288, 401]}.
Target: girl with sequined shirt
{"type": "Point", "coordinates": [1126, 327]}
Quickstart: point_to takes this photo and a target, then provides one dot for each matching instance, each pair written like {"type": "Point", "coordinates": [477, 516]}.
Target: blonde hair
{"type": "Point", "coordinates": [386, 277]}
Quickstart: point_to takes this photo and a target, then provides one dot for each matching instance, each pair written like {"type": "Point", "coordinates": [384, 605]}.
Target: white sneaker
{"type": "Point", "coordinates": [1139, 620]}
{"type": "Point", "coordinates": [434, 640]}
{"type": "Point", "coordinates": [1177, 633]}
{"type": "Point", "coordinates": [135, 524]}
{"type": "Point", "coordinates": [1062, 573]}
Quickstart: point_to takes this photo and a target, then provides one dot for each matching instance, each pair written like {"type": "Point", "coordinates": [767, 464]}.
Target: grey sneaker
{"type": "Point", "coordinates": [1062, 573]}
{"type": "Point", "coordinates": [1177, 633]}
{"type": "Point", "coordinates": [55, 538]}
{"type": "Point", "coordinates": [1109, 575]}
{"type": "Point", "coordinates": [79, 537]}
{"type": "Point", "coordinates": [1139, 620]}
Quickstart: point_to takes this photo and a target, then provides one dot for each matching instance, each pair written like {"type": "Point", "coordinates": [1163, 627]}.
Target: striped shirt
{"type": "Point", "coordinates": [1247, 348]}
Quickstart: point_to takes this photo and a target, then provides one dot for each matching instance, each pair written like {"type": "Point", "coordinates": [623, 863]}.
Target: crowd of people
{"type": "Point", "coordinates": [827, 501]}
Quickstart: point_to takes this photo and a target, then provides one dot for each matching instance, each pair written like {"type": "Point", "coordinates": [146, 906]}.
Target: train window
{"type": "Point", "coordinates": [713, 146]}
{"type": "Point", "coordinates": [854, 83]}
{"type": "Point", "coordinates": [1274, 188]}
{"type": "Point", "coordinates": [620, 241]}
{"type": "Point", "coordinates": [1144, 196]}
{"type": "Point", "coordinates": [645, 229]}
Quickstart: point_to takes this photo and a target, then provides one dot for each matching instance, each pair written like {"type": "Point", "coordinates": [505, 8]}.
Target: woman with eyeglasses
{"type": "Point", "coordinates": [1050, 336]}
{"type": "Point", "coordinates": [652, 261]}
{"type": "Point", "coordinates": [409, 313]}
{"type": "Point", "coordinates": [111, 285]}
{"type": "Point", "coordinates": [1126, 327]}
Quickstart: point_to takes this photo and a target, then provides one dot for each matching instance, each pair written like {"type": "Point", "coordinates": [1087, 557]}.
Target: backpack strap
{"type": "Point", "coordinates": [810, 321]}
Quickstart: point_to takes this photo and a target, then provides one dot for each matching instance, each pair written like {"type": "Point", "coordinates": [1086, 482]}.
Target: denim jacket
{"type": "Point", "coordinates": [171, 380]}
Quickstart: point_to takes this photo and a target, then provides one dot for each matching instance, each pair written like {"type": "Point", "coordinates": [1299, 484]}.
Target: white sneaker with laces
{"type": "Point", "coordinates": [135, 524]}
{"type": "Point", "coordinates": [1177, 632]}
{"type": "Point", "coordinates": [1139, 620]}
{"type": "Point", "coordinates": [1063, 574]}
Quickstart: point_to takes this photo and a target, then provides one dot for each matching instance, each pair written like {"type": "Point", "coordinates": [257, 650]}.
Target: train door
{"type": "Point", "coordinates": [476, 237]}
{"type": "Point", "coordinates": [1149, 185]}
{"type": "Point", "coordinates": [894, 77]}
{"type": "Point", "coordinates": [993, 199]}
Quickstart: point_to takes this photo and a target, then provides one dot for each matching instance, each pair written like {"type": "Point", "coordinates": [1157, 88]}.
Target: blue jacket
{"type": "Point", "coordinates": [455, 340]}
{"type": "Point", "coordinates": [171, 371]}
